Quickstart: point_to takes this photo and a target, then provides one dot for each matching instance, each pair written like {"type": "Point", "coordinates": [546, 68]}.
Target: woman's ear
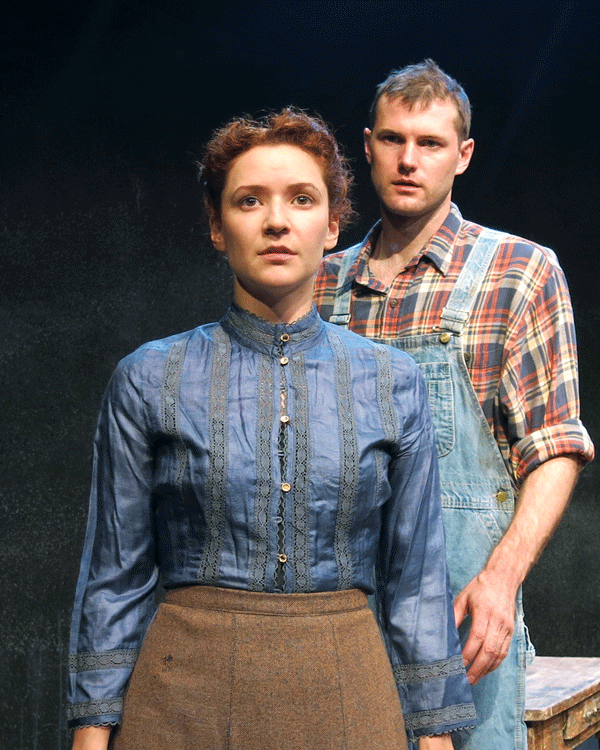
{"type": "Point", "coordinates": [216, 233]}
{"type": "Point", "coordinates": [333, 233]}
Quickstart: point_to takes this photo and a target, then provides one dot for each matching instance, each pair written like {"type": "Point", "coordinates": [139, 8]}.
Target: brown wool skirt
{"type": "Point", "coordinates": [223, 669]}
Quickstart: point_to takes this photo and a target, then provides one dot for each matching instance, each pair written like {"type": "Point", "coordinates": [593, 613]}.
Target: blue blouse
{"type": "Point", "coordinates": [290, 458]}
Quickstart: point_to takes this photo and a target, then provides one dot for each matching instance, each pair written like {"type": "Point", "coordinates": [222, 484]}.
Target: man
{"type": "Point", "coordinates": [488, 318]}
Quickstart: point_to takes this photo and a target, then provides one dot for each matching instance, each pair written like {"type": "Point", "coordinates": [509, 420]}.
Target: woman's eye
{"type": "Point", "coordinates": [249, 200]}
{"type": "Point", "coordinates": [303, 200]}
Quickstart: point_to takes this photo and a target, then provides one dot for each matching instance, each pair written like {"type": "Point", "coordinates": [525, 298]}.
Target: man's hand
{"type": "Point", "coordinates": [491, 605]}
{"type": "Point", "coordinates": [490, 597]}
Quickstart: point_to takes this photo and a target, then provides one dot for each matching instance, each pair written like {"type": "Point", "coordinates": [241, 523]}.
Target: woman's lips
{"type": "Point", "coordinates": [277, 250]}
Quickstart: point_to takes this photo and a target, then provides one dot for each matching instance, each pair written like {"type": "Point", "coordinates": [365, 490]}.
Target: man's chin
{"type": "Point", "coordinates": [407, 211]}
{"type": "Point", "coordinates": [404, 210]}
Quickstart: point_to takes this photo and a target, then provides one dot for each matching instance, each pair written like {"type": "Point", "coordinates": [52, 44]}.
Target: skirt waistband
{"type": "Point", "coordinates": [290, 605]}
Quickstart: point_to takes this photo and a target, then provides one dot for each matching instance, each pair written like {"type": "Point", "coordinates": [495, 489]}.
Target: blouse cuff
{"type": "Point", "coordinates": [97, 682]}
{"type": "Point", "coordinates": [441, 720]}
{"type": "Point", "coordinates": [436, 697]}
{"type": "Point", "coordinates": [95, 713]}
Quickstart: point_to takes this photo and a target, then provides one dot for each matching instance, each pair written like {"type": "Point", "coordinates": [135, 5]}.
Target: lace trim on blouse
{"type": "Point", "coordinates": [88, 662]}
{"type": "Point", "coordinates": [94, 708]}
{"type": "Point", "coordinates": [217, 480]}
{"type": "Point", "coordinates": [449, 715]}
{"type": "Point", "coordinates": [349, 461]}
{"type": "Point", "coordinates": [263, 331]}
{"type": "Point", "coordinates": [264, 471]}
{"type": "Point", "coordinates": [301, 510]}
{"type": "Point", "coordinates": [437, 670]}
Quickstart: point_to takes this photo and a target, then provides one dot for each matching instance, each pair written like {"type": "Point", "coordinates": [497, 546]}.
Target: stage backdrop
{"type": "Point", "coordinates": [104, 108]}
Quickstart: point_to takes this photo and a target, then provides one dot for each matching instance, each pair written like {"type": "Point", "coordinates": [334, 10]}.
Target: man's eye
{"type": "Point", "coordinates": [430, 143]}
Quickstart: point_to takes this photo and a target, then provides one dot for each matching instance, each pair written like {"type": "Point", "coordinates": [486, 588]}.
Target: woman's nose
{"type": "Point", "coordinates": [276, 221]}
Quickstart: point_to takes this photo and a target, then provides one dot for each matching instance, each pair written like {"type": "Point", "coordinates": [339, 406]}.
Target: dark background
{"type": "Point", "coordinates": [104, 107]}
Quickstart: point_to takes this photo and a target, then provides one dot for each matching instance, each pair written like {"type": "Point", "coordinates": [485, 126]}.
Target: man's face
{"type": "Point", "coordinates": [414, 156]}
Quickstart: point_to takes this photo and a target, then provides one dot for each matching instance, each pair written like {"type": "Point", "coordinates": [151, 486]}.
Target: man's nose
{"type": "Point", "coordinates": [407, 158]}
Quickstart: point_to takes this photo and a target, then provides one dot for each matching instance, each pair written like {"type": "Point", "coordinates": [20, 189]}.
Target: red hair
{"type": "Point", "coordinates": [290, 126]}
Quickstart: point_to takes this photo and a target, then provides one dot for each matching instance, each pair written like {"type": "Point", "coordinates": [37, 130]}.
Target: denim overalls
{"type": "Point", "coordinates": [477, 495]}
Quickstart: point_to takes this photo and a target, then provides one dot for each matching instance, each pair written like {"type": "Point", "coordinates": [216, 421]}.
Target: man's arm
{"type": "Point", "coordinates": [490, 597]}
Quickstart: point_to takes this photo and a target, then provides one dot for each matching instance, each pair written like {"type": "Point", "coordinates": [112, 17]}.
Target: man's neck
{"type": "Point", "coordinates": [402, 238]}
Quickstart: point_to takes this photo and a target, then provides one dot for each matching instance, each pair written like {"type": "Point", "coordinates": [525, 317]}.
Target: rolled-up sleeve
{"type": "Point", "coordinates": [538, 388]}
{"type": "Point", "coordinates": [114, 600]}
{"type": "Point", "coordinates": [414, 599]}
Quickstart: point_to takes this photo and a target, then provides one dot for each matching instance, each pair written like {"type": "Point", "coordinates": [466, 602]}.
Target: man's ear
{"type": "Point", "coordinates": [216, 234]}
{"type": "Point", "coordinates": [333, 233]}
{"type": "Point", "coordinates": [465, 152]}
{"type": "Point", "coordinates": [367, 136]}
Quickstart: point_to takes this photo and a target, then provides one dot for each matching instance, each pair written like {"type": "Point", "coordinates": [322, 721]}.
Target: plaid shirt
{"type": "Point", "coordinates": [519, 342]}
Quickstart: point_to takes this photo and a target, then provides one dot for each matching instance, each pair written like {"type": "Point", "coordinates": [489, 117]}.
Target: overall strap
{"type": "Point", "coordinates": [461, 301]}
{"type": "Point", "coordinates": [343, 293]}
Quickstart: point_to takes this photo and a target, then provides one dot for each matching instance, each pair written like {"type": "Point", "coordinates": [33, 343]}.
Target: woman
{"type": "Point", "coordinates": [272, 468]}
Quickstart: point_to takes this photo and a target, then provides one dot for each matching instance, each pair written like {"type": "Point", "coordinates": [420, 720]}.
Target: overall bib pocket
{"type": "Point", "coordinates": [441, 401]}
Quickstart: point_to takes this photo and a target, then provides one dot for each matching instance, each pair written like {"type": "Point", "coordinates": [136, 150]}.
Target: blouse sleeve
{"type": "Point", "coordinates": [414, 601]}
{"type": "Point", "coordinates": [114, 600]}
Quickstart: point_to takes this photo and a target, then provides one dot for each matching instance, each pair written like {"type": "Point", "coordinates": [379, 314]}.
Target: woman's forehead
{"type": "Point", "coordinates": [275, 162]}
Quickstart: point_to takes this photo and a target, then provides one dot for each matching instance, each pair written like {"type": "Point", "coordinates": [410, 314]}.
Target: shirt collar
{"type": "Point", "coordinates": [438, 249]}
{"type": "Point", "coordinates": [267, 337]}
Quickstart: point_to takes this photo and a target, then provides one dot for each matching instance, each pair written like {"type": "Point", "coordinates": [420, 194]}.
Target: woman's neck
{"type": "Point", "coordinates": [285, 308]}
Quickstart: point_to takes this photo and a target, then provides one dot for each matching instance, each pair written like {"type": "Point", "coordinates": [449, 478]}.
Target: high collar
{"type": "Point", "coordinates": [268, 338]}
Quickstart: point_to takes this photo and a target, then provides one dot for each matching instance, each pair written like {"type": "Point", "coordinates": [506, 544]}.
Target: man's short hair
{"type": "Point", "coordinates": [424, 83]}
